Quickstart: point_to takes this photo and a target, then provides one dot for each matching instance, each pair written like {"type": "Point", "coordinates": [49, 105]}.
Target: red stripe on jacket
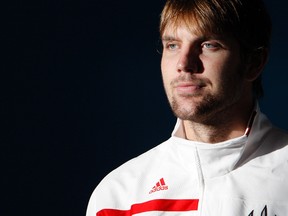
{"type": "Point", "coordinates": [153, 205]}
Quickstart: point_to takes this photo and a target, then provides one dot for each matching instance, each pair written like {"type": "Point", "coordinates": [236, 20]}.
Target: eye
{"type": "Point", "coordinates": [211, 45]}
{"type": "Point", "coordinates": [171, 46]}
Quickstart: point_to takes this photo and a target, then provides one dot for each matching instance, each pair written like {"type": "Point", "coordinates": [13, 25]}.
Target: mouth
{"type": "Point", "coordinates": [189, 88]}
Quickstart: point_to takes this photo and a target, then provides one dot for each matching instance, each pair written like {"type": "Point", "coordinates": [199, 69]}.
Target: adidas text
{"type": "Point", "coordinates": [160, 188]}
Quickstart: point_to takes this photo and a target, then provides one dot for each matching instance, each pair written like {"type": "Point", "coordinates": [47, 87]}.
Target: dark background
{"type": "Point", "coordinates": [81, 93]}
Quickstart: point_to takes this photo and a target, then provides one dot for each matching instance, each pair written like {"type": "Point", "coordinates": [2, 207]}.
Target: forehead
{"type": "Point", "coordinates": [190, 32]}
{"type": "Point", "coordinates": [190, 25]}
{"type": "Point", "coordinates": [179, 29]}
{"type": "Point", "coordinates": [193, 35]}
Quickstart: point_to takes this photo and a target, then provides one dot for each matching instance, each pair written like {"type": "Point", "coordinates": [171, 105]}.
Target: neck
{"type": "Point", "coordinates": [224, 126]}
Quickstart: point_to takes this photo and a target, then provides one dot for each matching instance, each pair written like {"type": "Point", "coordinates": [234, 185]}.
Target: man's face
{"type": "Point", "coordinates": [202, 74]}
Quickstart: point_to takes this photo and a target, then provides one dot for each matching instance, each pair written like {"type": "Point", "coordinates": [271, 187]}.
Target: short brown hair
{"type": "Point", "coordinates": [246, 20]}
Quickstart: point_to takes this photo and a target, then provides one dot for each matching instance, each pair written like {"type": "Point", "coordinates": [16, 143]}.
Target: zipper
{"type": "Point", "coordinates": [200, 180]}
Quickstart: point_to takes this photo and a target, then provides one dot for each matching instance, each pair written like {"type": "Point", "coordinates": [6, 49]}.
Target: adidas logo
{"type": "Point", "coordinates": [160, 186]}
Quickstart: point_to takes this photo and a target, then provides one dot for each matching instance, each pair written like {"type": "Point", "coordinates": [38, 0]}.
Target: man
{"type": "Point", "coordinates": [224, 157]}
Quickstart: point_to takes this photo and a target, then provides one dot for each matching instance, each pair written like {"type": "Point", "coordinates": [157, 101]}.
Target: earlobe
{"type": "Point", "coordinates": [256, 63]}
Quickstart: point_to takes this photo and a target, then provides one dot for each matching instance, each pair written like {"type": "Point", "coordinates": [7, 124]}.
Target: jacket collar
{"type": "Point", "coordinates": [221, 158]}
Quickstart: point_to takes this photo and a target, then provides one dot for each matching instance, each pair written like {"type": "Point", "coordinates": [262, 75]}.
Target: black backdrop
{"type": "Point", "coordinates": [81, 93]}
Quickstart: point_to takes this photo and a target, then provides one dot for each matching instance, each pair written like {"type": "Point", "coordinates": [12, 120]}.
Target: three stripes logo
{"type": "Point", "coordinates": [160, 186]}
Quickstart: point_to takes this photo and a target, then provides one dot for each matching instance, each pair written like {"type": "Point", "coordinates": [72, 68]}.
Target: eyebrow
{"type": "Point", "coordinates": [166, 38]}
{"type": "Point", "coordinates": [169, 38]}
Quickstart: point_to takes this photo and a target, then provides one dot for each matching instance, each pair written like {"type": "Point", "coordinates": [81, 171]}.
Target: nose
{"type": "Point", "coordinates": [189, 62]}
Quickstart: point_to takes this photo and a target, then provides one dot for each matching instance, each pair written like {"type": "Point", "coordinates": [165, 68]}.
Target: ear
{"type": "Point", "coordinates": [256, 62]}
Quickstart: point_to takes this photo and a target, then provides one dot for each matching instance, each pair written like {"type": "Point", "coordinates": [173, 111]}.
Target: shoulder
{"type": "Point", "coordinates": [275, 139]}
{"type": "Point", "coordinates": [135, 166]}
{"type": "Point", "coordinates": [125, 183]}
{"type": "Point", "coordinates": [273, 148]}
{"type": "Point", "coordinates": [267, 136]}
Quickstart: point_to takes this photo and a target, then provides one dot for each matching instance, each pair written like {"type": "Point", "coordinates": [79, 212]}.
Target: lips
{"type": "Point", "coordinates": [188, 87]}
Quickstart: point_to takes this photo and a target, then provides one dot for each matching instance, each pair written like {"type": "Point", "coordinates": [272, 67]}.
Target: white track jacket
{"type": "Point", "coordinates": [245, 176]}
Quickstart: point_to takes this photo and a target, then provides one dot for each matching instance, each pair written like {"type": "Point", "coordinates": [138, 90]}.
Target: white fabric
{"type": "Point", "coordinates": [239, 177]}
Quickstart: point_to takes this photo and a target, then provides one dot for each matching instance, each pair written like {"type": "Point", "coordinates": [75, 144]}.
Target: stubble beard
{"type": "Point", "coordinates": [205, 108]}
{"type": "Point", "coordinates": [199, 112]}
{"type": "Point", "coordinates": [188, 106]}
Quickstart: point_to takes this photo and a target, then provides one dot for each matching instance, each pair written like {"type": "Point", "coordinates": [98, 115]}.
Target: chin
{"type": "Point", "coordinates": [185, 114]}
{"type": "Point", "coordinates": [193, 111]}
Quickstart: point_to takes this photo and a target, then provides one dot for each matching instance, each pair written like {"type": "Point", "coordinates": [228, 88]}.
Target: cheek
{"type": "Point", "coordinates": [223, 66]}
{"type": "Point", "coordinates": [168, 74]}
{"type": "Point", "coordinates": [167, 71]}
{"type": "Point", "coordinates": [165, 64]}
{"type": "Point", "coordinates": [230, 76]}
{"type": "Point", "coordinates": [223, 75]}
